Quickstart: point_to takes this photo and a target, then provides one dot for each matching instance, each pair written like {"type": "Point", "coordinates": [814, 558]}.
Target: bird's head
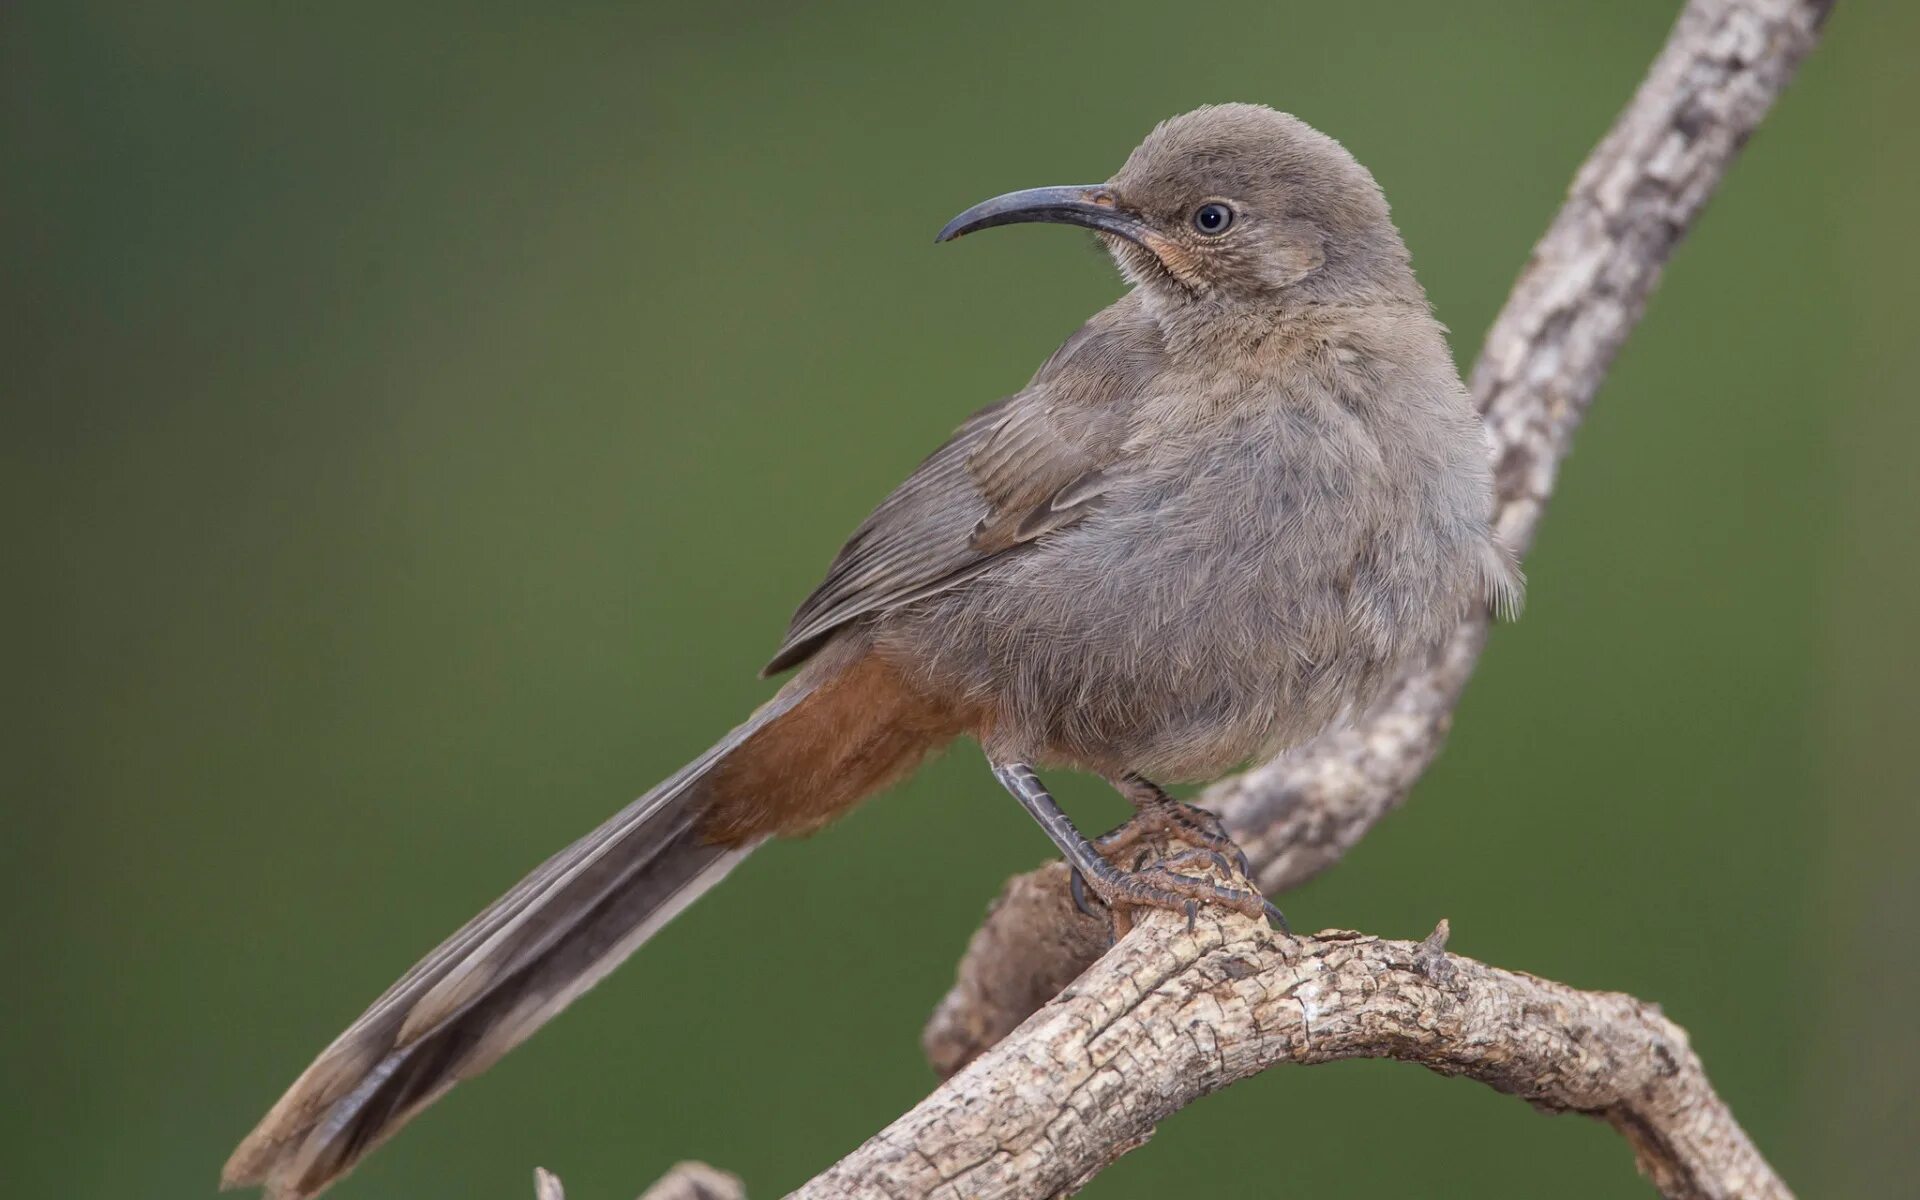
{"type": "Point", "coordinates": [1231, 204]}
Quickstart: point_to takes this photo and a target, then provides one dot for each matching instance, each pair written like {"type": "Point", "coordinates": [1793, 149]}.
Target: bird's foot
{"type": "Point", "coordinates": [1173, 883]}
{"type": "Point", "coordinates": [1160, 876]}
{"type": "Point", "coordinates": [1160, 817]}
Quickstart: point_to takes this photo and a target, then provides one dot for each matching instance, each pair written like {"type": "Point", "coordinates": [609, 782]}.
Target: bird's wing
{"type": "Point", "coordinates": [1032, 463]}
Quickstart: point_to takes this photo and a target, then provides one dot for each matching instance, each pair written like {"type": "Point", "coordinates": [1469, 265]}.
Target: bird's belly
{"type": "Point", "coordinates": [1178, 639]}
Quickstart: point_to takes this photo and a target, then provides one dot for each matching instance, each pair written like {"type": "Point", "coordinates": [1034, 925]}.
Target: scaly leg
{"type": "Point", "coordinates": [1152, 887]}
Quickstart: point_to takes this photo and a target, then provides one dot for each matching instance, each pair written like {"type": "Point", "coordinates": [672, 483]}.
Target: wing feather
{"type": "Point", "coordinates": [1017, 470]}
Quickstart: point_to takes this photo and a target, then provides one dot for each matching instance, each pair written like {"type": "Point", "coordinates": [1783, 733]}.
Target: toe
{"type": "Point", "coordinates": [1077, 885]}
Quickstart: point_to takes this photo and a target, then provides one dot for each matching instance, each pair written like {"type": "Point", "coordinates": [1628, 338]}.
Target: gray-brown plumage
{"type": "Point", "coordinates": [1217, 522]}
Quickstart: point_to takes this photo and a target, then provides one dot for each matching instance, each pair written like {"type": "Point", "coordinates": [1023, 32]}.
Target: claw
{"type": "Point", "coordinates": [1278, 918]}
{"type": "Point", "coordinates": [1212, 858]}
{"type": "Point", "coordinates": [1077, 884]}
{"type": "Point", "coordinates": [1193, 911]}
{"type": "Point", "coordinates": [1205, 818]}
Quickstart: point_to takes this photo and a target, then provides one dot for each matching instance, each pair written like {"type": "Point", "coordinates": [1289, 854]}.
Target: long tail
{"type": "Point", "coordinates": [828, 738]}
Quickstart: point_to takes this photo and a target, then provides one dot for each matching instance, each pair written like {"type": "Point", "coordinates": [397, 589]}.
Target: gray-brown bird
{"type": "Point", "coordinates": [1218, 521]}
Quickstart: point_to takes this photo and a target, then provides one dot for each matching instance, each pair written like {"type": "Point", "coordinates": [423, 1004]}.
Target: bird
{"type": "Point", "coordinates": [1218, 521]}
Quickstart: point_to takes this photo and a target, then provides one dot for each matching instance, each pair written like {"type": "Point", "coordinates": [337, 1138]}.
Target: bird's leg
{"type": "Point", "coordinates": [1156, 813]}
{"type": "Point", "coordinates": [1151, 887]}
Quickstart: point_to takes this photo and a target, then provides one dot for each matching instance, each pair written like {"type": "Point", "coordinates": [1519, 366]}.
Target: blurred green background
{"type": "Point", "coordinates": [421, 419]}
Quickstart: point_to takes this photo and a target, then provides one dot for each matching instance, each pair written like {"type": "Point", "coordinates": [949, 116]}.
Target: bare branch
{"type": "Point", "coordinates": [1172, 1014]}
{"type": "Point", "coordinates": [1169, 1016]}
{"type": "Point", "coordinates": [1581, 293]}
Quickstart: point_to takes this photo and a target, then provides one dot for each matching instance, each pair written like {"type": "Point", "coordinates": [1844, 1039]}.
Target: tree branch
{"type": "Point", "coordinates": [1172, 1014]}
{"type": "Point", "coordinates": [1169, 1016]}
{"type": "Point", "coordinates": [1580, 294]}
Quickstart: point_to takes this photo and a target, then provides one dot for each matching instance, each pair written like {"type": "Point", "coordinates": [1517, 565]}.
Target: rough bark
{"type": "Point", "coordinates": [1170, 1015]}
{"type": "Point", "coordinates": [1580, 294]}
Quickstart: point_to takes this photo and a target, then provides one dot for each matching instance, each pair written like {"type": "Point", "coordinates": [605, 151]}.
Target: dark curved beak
{"type": "Point", "coordinates": [1090, 205]}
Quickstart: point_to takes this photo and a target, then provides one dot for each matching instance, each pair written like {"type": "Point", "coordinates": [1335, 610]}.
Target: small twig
{"type": "Point", "coordinates": [696, 1181]}
{"type": "Point", "coordinates": [686, 1181]}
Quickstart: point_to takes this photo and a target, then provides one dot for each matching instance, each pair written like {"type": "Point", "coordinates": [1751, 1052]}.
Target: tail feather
{"type": "Point", "coordinates": [846, 726]}
{"type": "Point", "coordinates": [498, 978]}
{"type": "Point", "coordinates": [410, 1078]}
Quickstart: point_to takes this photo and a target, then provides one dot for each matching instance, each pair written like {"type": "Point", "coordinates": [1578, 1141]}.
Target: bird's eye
{"type": "Point", "coordinates": [1212, 219]}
